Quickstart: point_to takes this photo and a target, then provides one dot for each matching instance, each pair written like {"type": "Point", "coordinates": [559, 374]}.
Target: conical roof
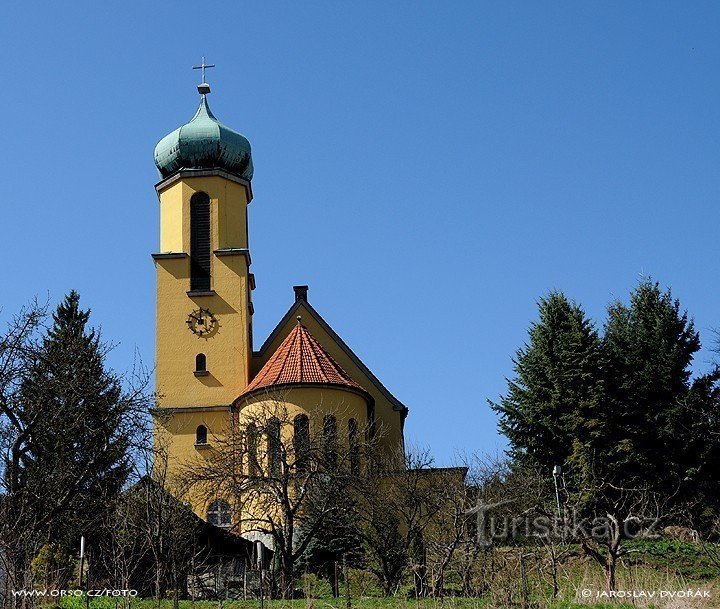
{"type": "Point", "coordinates": [301, 360]}
{"type": "Point", "coordinates": [204, 143]}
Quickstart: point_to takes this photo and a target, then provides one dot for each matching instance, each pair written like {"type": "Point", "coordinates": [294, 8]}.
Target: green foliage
{"type": "Point", "coordinates": [619, 410]}
{"type": "Point", "coordinates": [52, 568]}
{"type": "Point", "coordinates": [553, 401]}
{"type": "Point", "coordinates": [362, 603]}
{"type": "Point", "coordinates": [648, 348]}
{"type": "Point", "coordinates": [684, 559]}
{"type": "Point", "coordinates": [74, 409]}
{"type": "Point", "coordinates": [339, 537]}
{"type": "Point", "coordinates": [386, 550]}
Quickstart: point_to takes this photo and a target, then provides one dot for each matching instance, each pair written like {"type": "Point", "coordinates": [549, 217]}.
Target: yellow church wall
{"type": "Point", "coordinates": [286, 404]}
{"type": "Point", "coordinates": [227, 348]}
{"type": "Point", "coordinates": [176, 430]}
{"type": "Point", "coordinates": [388, 421]}
{"type": "Point", "coordinates": [171, 219]}
{"type": "Point", "coordinates": [175, 435]}
{"type": "Point", "coordinates": [228, 213]}
{"type": "Point", "coordinates": [315, 402]}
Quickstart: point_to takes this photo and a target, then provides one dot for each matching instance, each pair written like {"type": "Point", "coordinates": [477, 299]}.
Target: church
{"type": "Point", "coordinates": [208, 369]}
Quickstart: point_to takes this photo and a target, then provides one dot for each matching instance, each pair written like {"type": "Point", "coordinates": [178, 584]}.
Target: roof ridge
{"type": "Point", "coordinates": [317, 352]}
{"type": "Point", "coordinates": [285, 356]}
{"type": "Point", "coordinates": [299, 331]}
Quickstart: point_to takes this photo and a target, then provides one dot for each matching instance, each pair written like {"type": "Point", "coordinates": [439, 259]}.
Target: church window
{"type": "Point", "coordinates": [251, 449]}
{"type": "Point", "coordinates": [219, 513]}
{"type": "Point", "coordinates": [330, 438]}
{"type": "Point", "coordinates": [200, 242]}
{"type": "Point", "coordinates": [201, 435]}
{"type": "Point", "coordinates": [354, 446]}
{"type": "Point", "coordinates": [200, 363]}
{"type": "Point", "coordinates": [301, 442]}
{"type": "Point", "coordinates": [274, 448]}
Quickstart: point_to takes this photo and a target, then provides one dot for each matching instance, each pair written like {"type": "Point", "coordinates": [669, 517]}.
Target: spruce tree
{"type": "Point", "coordinates": [648, 349]}
{"type": "Point", "coordinates": [552, 403]}
{"type": "Point", "coordinates": [77, 462]}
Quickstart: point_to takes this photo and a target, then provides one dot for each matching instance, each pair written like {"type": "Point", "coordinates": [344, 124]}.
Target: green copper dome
{"type": "Point", "coordinates": [204, 143]}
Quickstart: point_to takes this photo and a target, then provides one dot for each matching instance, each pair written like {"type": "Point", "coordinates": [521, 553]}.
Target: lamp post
{"type": "Point", "coordinates": [557, 472]}
{"type": "Point", "coordinates": [259, 546]}
{"type": "Point", "coordinates": [82, 560]}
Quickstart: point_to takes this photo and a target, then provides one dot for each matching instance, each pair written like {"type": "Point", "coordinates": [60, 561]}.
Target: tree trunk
{"type": "Point", "coordinates": [286, 577]}
{"type": "Point", "coordinates": [333, 573]}
{"type": "Point", "coordinates": [610, 567]}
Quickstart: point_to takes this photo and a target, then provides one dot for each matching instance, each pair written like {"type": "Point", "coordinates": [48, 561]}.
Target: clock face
{"type": "Point", "coordinates": [201, 322]}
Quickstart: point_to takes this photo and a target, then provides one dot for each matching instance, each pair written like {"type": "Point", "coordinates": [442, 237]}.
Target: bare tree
{"type": "Point", "coordinates": [614, 516]}
{"type": "Point", "coordinates": [397, 504]}
{"type": "Point", "coordinates": [450, 528]}
{"type": "Point", "coordinates": [283, 471]}
{"type": "Point", "coordinates": [125, 546]}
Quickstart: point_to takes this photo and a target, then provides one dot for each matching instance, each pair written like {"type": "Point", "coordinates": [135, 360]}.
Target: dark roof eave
{"type": "Point", "coordinates": [184, 172]}
{"type": "Point", "coordinates": [270, 388]}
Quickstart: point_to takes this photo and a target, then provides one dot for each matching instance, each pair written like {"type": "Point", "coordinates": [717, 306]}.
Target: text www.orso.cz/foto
{"type": "Point", "coordinates": [61, 593]}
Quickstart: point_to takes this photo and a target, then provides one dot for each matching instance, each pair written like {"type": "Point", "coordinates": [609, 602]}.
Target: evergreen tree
{"type": "Point", "coordinates": [552, 403]}
{"type": "Point", "coordinates": [659, 424]}
{"type": "Point", "coordinates": [76, 462]}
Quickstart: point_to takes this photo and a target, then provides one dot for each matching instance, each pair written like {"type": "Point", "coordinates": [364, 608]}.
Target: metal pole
{"type": "Point", "coordinates": [82, 560]}
{"type": "Point", "coordinates": [346, 575]}
{"type": "Point", "coordinates": [557, 472]}
{"type": "Point", "coordinates": [259, 549]}
{"type": "Point", "coordinates": [523, 577]}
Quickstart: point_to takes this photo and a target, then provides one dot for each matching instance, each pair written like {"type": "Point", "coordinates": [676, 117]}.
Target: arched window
{"type": "Point", "coordinates": [274, 448]}
{"type": "Point", "coordinates": [330, 438]}
{"type": "Point", "coordinates": [201, 435]}
{"type": "Point", "coordinates": [200, 242]}
{"type": "Point", "coordinates": [219, 513]}
{"type": "Point", "coordinates": [251, 448]}
{"type": "Point", "coordinates": [200, 363]}
{"type": "Point", "coordinates": [354, 446]}
{"type": "Point", "coordinates": [301, 442]}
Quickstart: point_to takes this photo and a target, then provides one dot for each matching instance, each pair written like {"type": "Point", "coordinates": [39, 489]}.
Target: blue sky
{"type": "Point", "coordinates": [429, 169]}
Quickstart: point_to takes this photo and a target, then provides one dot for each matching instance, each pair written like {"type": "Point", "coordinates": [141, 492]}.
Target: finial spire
{"type": "Point", "coordinates": [299, 320]}
{"type": "Point", "coordinates": [203, 87]}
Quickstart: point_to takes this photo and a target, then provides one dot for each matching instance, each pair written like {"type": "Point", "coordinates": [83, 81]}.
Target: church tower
{"type": "Point", "coordinates": [210, 381]}
{"type": "Point", "coordinates": [204, 305]}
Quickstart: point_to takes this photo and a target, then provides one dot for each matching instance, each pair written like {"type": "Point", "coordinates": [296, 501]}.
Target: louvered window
{"type": "Point", "coordinates": [200, 242]}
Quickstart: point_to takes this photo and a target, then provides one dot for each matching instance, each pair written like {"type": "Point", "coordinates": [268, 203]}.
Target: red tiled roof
{"type": "Point", "coordinates": [301, 359]}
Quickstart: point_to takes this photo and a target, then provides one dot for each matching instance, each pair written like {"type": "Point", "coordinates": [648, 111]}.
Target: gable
{"type": "Point", "coordinates": [330, 340]}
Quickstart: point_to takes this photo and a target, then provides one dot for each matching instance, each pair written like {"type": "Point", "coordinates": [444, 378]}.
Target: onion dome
{"type": "Point", "coordinates": [204, 143]}
{"type": "Point", "coordinates": [301, 360]}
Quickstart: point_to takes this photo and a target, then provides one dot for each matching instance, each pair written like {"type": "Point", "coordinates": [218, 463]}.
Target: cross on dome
{"type": "Point", "coordinates": [202, 67]}
{"type": "Point", "coordinates": [203, 87]}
